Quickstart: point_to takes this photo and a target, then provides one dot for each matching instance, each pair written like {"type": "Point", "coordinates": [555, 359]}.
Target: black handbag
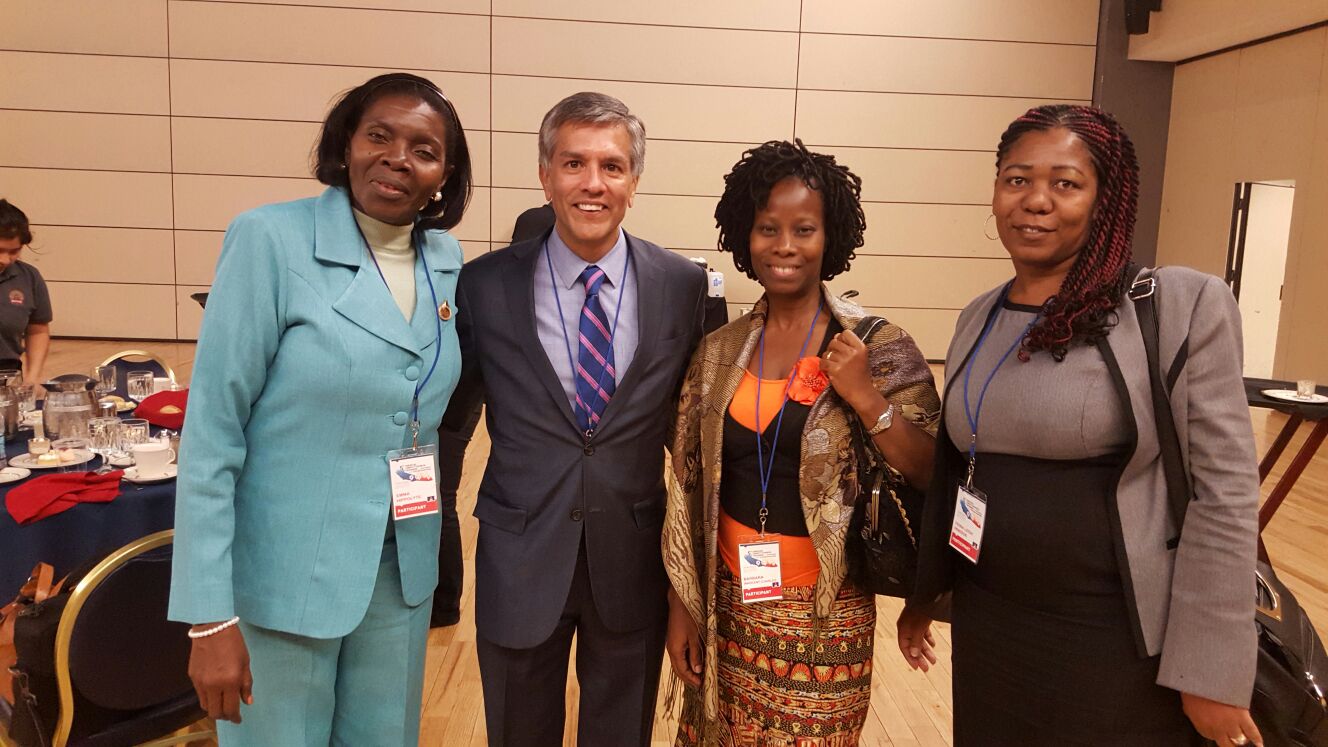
{"type": "Point", "coordinates": [1288, 705]}
{"type": "Point", "coordinates": [881, 550]}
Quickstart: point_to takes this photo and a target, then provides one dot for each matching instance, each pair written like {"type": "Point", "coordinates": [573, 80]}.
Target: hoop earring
{"type": "Point", "coordinates": [984, 228]}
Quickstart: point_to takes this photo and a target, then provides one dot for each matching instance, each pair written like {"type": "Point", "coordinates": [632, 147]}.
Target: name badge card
{"type": "Point", "coordinates": [970, 518]}
{"type": "Point", "coordinates": [413, 475]}
{"type": "Point", "coordinates": [762, 575]}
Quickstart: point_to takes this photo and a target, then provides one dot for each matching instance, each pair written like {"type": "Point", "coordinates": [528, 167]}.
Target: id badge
{"type": "Point", "coordinates": [762, 574]}
{"type": "Point", "coordinates": [970, 518]}
{"type": "Point", "coordinates": [413, 475]}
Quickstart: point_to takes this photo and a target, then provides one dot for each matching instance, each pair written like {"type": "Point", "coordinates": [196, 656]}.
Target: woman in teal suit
{"type": "Point", "coordinates": [328, 346]}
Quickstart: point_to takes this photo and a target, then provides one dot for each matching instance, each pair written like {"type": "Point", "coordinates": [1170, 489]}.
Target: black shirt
{"type": "Point", "coordinates": [740, 483]}
{"type": "Point", "coordinates": [23, 301]}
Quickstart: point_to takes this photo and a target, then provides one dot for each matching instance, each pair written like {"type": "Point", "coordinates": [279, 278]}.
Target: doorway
{"type": "Point", "coordinates": [1256, 265]}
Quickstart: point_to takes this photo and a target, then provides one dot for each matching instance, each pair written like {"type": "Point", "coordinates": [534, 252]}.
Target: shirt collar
{"type": "Point", "coordinates": [568, 267]}
{"type": "Point", "coordinates": [10, 271]}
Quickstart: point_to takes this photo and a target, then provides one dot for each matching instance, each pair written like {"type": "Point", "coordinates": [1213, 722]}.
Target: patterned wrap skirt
{"type": "Point", "coordinates": [777, 689]}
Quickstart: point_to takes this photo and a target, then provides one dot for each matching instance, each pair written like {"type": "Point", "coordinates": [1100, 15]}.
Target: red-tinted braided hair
{"type": "Point", "coordinates": [1083, 310]}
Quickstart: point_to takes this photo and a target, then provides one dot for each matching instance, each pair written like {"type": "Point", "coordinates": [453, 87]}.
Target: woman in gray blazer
{"type": "Point", "coordinates": [1078, 616]}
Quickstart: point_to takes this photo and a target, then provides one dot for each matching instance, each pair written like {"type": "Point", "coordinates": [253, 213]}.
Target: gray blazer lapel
{"type": "Point", "coordinates": [520, 289]}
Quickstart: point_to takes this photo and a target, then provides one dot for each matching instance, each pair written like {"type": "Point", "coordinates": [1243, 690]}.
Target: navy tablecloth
{"type": "Point", "coordinates": [84, 533]}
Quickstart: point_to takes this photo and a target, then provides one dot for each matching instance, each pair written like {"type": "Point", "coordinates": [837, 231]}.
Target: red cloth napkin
{"type": "Point", "coordinates": [48, 495]}
{"type": "Point", "coordinates": [150, 409]}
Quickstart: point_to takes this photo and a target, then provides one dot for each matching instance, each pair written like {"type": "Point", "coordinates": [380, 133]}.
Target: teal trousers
{"type": "Point", "coordinates": [363, 690]}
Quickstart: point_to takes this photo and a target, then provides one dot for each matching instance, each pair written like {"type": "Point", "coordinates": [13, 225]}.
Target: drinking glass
{"type": "Point", "coordinates": [132, 431]}
{"type": "Point", "coordinates": [1305, 388]}
{"type": "Point", "coordinates": [105, 380]}
{"type": "Point", "coordinates": [104, 436]}
{"type": "Point", "coordinates": [27, 402]}
{"type": "Point", "coordinates": [139, 385]}
{"type": "Point", "coordinates": [67, 448]}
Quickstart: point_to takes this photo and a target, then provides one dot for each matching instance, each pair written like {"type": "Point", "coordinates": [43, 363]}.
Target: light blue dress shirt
{"type": "Point", "coordinates": [571, 296]}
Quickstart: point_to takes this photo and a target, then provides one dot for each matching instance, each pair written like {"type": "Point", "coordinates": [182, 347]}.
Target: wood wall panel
{"type": "Point", "coordinates": [103, 255]}
{"type": "Point", "coordinates": [100, 142]}
{"type": "Point", "coordinates": [772, 15]}
{"type": "Point", "coordinates": [575, 49]}
{"type": "Point", "coordinates": [329, 36]}
{"type": "Point", "coordinates": [842, 62]}
{"type": "Point", "coordinates": [300, 93]}
{"type": "Point", "coordinates": [83, 83]}
{"type": "Point", "coordinates": [1052, 21]}
{"type": "Point", "coordinates": [90, 198]}
{"type": "Point", "coordinates": [124, 27]}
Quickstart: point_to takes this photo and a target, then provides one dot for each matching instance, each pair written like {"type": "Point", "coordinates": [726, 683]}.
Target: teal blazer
{"type": "Point", "coordinates": [302, 383]}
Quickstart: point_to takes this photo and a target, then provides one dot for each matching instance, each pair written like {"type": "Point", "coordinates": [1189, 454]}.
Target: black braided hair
{"type": "Point", "coordinates": [1084, 309]}
{"type": "Point", "coordinates": [747, 189]}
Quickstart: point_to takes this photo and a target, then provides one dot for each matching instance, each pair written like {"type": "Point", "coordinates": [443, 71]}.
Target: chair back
{"type": "Point", "coordinates": [114, 644]}
{"type": "Point", "coordinates": [136, 360]}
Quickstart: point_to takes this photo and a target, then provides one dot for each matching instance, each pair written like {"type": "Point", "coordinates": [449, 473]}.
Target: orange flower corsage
{"type": "Point", "coordinates": [808, 381]}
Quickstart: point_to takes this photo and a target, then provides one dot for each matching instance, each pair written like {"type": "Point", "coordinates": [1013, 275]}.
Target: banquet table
{"type": "Point", "coordinates": [82, 534]}
{"type": "Point", "coordinates": [1297, 413]}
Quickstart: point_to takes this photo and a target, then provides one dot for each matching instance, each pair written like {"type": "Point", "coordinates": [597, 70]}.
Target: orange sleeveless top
{"type": "Point", "coordinates": [796, 554]}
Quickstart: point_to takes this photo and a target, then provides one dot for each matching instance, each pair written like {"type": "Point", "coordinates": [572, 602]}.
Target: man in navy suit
{"type": "Point", "coordinates": [576, 341]}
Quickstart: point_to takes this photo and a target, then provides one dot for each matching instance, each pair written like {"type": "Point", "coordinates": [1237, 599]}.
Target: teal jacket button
{"type": "Point", "coordinates": [412, 373]}
{"type": "Point", "coordinates": [400, 418]}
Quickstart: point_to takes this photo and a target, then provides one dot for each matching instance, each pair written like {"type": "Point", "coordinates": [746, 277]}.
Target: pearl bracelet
{"type": "Point", "coordinates": [214, 630]}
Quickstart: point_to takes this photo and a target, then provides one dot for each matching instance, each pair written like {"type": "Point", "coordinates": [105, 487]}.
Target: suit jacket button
{"type": "Point", "coordinates": [412, 373]}
{"type": "Point", "coordinates": [589, 450]}
{"type": "Point", "coordinates": [400, 418]}
{"type": "Point", "coordinates": [576, 514]}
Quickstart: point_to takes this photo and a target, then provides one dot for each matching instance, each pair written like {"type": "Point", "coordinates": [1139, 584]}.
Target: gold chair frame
{"type": "Point", "coordinates": [65, 633]}
{"type": "Point", "coordinates": [141, 354]}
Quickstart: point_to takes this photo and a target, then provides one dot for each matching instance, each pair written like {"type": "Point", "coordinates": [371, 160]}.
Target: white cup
{"type": "Point", "coordinates": [152, 457]}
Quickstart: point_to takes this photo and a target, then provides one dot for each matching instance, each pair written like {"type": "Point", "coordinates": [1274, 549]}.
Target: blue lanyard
{"type": "Point", "coordinates": [562, 324]}
{"type": "Point", "coordinates": [974, 415]}
{"type": "Point", "coordinates": [418, 241]}
{"type": "Point", "coordinates": [764, 470]}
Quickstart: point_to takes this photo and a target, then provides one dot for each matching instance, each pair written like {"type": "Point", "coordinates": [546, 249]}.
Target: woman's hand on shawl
{"type": "Point", "coordinates": [683, 642]}
{"type": "Point", "coordinates": [915, 639]}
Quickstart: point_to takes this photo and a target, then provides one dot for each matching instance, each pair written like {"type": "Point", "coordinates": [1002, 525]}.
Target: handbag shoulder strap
{"type": "Point", "coordinates": [1143, 292]}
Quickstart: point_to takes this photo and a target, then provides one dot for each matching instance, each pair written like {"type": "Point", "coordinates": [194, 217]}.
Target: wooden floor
{"type": "Point", "coordinates": [907, 708]}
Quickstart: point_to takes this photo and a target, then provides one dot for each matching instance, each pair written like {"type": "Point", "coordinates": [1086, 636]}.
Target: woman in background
{"type": "Point", "coordinates": [25, 320]}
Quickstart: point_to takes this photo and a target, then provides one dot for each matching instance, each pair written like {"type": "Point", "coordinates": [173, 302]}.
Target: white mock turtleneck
{"type": "Point", "coordinates": [392, 247]}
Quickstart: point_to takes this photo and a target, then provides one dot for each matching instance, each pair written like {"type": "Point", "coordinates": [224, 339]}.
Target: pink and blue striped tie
{"type": "Point", "coordinates": [594, 366]}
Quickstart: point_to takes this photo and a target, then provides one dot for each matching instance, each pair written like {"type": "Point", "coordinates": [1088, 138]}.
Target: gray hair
{"type": "Point", "coordinates": [589, 107]}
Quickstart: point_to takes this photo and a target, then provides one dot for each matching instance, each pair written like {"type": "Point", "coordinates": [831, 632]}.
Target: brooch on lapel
{"type": "Point", "coordinates": [444, 311]}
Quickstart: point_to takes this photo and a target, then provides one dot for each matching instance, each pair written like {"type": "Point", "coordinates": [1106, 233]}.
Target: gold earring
{"type": "Point", "coordinates": [984, 228]}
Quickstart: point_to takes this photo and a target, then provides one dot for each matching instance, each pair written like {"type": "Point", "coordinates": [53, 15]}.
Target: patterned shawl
{"type": "Point", "coordinates": [828, 474]}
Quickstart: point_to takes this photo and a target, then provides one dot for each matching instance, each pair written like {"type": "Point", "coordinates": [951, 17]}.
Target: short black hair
{"type": "Point", "coordinates": [14, 224]}
{"type": "Point", "coordinates": [344, 119]}
{"type": "Point", "coordinates": [747, 189]}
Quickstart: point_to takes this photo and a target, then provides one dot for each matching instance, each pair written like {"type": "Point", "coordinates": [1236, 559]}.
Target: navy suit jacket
{"type": "Point", "coordinates": [546, 486]}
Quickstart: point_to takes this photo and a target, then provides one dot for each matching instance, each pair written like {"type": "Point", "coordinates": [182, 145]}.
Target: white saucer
{"type": "Point", "coordinates": [1289, 395]}
{"type": "Point", "coordinates": [28, 461]}
{"type": "Point", "coordinates": [13, 474]}
{"type": "Point", "coordinates": [131, 475]}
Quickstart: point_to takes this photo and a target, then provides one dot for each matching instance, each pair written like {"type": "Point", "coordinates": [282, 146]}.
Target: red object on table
{"type": "Point", "coordinates": [150, 409]}
{"type": "Point", "coordinates": [48, 495]}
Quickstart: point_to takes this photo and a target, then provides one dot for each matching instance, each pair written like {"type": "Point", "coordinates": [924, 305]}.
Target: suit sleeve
{"type": "Point", "coordinates": [698, 332]}
{"type": "Point", "coordinates": [241, 332]}
{"type": "Point", "coordinates": [1210, 647]}
{"type": "Point", "coordinates": [459, 422]}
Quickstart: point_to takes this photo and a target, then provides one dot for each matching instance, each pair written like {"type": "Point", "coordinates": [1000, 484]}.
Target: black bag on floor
{"type": "Point", "coordinates": [1288, 704]}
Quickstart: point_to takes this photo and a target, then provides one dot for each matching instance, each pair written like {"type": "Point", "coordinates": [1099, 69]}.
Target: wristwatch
{"type": "Point", "coordinates": [884, 422]}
